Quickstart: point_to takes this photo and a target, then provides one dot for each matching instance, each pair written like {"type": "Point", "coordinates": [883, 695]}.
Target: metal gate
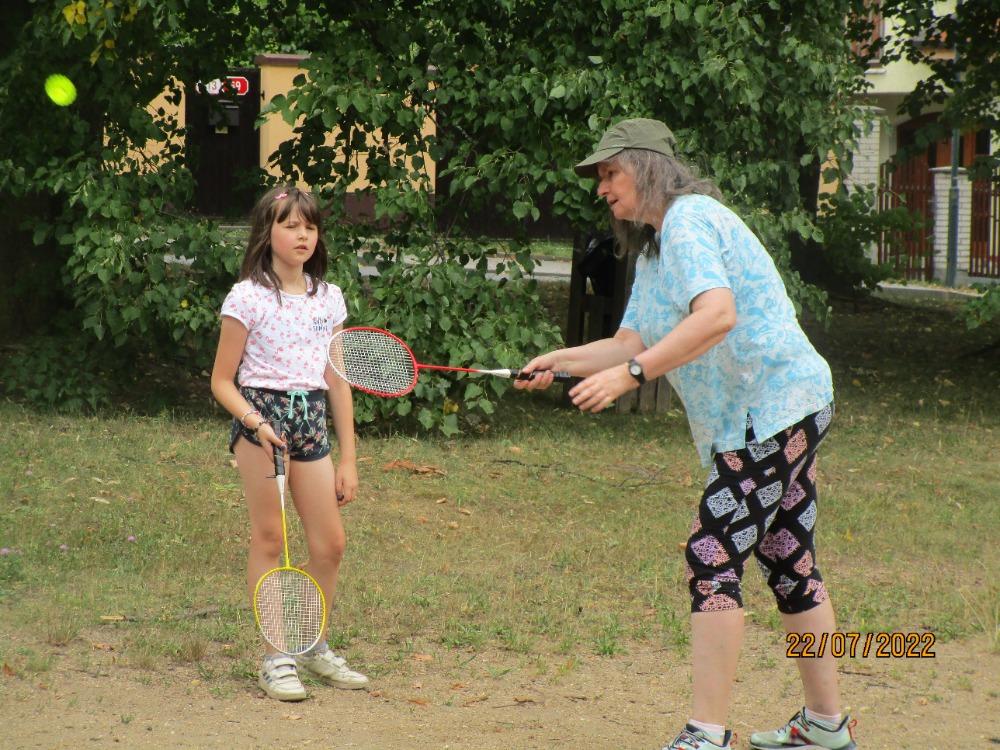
{"type": "Point", "coordinates": [984, 249]}
{"type": "Point", "coordinates": [911, 253]}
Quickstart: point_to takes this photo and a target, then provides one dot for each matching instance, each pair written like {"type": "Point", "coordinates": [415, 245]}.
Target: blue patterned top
{"type": "Point", "coordinates": [765, 367]}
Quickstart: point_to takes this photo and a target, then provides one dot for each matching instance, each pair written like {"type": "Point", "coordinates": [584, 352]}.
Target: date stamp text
{"type": "Point", "coordinates": [881, 645]}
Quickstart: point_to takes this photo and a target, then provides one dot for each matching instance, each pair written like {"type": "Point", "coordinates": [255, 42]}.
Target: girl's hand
{"type": "Point", "coordinates": [542, 367]}
{"type": "Point", "coordinates": [346, 482]}
{"type": "Point", "coordinates": [269, 440]}
{"type": "Point", "coordinates": [601, 389]}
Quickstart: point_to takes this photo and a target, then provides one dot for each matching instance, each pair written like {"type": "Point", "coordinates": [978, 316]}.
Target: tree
{"type": "Point", "coordinates": [966, 85]}
{"type": "Point", "coordinates": [759, 93]}
{"type": "Point", "coordinates": [89, 212]}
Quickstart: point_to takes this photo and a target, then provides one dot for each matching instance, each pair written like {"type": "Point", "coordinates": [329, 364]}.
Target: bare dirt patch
{"type": "Point", "coordinates": [491, 699]}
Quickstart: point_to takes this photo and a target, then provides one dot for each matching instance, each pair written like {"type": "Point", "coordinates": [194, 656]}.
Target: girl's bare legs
{"type": "Point", "coordinates": [819, 675]}
{"type": "Point", "coordinates": [716, 638]}
{"type": "Point", "coordinates": [257, 473]}
{"type": "Point", "coordinates": [315, 495]}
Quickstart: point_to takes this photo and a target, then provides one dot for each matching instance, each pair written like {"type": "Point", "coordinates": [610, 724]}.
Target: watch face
{"type": "Point", "coordinates": [635, 369]}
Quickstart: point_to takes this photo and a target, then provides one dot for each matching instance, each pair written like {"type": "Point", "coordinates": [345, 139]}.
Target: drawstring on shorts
{"type": "Point", "coordinates": [292, 395]}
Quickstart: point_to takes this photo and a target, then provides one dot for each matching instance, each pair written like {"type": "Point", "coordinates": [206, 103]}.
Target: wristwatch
{"type": "Point", "coordinates": [635, 370]}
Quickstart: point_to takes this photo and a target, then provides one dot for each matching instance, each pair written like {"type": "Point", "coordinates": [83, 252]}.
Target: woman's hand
{"type": "Point", "coordinates": [346, 482]}
{"type": "Point", "coordinates": [540, 369]}
{"type": "Point", "coordinates": [602, 389]}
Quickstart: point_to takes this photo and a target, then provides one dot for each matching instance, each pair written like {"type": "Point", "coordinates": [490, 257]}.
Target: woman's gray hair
{"type": "Point", "coordinates": [659, 181]}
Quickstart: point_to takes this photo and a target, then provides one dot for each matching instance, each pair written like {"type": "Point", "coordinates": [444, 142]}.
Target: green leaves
{"type": "Point", "coordinates": [446, 308]}
{"type": "Point", "coordinates": [452, 112]}
{"type": "Point", "coordinates": [521, 209]}
{"type": "Point", "coordinates": [983, 309]}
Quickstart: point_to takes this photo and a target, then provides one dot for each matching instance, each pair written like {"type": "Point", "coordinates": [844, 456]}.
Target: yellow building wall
{"type": "Point", "coordinates": [152, 148]}
{"type": "Point", "coordinates": [277, 73]}
{"type": "Point", "coordinates": [901, 76]}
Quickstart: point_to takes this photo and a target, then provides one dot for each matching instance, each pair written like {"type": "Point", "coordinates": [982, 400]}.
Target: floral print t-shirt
{"type": "Point", "coordinates": [287, 343]}
{"type": "Point", "coordinates": [765, 366]}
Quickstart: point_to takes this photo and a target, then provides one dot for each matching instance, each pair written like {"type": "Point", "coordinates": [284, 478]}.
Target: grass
{"type": "Point", "coordinates": [555, 535]}
{"type": "Point", "coordinates": [557, 249]}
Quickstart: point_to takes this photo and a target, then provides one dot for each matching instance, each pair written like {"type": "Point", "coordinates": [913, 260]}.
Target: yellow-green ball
{"type": "Point", "coordinates": [60, 89]}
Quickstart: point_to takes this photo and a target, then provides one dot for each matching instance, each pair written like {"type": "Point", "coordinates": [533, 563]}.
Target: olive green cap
{"type": "Point", "coordinates": [651, 135]}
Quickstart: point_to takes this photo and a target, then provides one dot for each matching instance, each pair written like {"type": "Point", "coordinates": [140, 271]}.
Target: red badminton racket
{"type": "Point", "coordinates": [380, 363]}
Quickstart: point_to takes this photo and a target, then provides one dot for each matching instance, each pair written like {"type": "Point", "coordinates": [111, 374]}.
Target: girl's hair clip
{"type": "Point", "coordinates": [279, 196]}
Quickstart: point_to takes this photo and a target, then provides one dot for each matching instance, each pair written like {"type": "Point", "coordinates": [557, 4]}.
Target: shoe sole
{"type": "Point", "coordinates": [286, 697]}
{"type": "Point", "coordinates": [333, 682]}
{"type": "Point", "coordinates": [851, 746]}
{"type": "Point", "coordinates": [339, 685]}
{"type": "Point", "coordinates": [347, 686]}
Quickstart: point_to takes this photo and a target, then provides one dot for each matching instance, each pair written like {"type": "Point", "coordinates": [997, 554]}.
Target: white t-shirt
{"type": "Point", "coordinates": [286, 345]}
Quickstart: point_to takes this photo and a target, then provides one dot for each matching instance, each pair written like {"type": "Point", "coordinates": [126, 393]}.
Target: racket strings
{"type": "Point", "coordinates": [372, 360]}
{"type": "Point", "coordinates": [290, 610]}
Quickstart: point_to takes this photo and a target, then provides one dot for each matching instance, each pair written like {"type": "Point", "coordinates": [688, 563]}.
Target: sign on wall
{"type": "Point", "coordinates": [240, 85]}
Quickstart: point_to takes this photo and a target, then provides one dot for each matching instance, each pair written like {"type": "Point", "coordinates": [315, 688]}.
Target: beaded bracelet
{"type": "Point", "coordinates": [254, 430]}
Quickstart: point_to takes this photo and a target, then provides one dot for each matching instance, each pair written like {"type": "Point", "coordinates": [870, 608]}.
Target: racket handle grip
{"type": "Point", "coordinates": [559, 376]}
{"type": "Point", "coordinates": [279, 457]}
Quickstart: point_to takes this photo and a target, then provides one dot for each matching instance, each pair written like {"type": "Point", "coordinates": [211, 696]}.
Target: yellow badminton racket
{"type": "Point", "coordinates": [288, 604]}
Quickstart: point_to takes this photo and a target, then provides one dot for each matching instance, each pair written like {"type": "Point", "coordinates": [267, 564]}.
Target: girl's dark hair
{"type": "Point", "coordinates": [659, 181]}
{"type": "Point", "coordinates": [276, 205]}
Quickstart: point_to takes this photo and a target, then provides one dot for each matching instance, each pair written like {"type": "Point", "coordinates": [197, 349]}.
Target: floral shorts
{"type": "Point", "coordinates": [298, 416]}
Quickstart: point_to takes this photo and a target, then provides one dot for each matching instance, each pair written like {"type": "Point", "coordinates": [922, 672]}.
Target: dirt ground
{"type": "Point", "coordinates": [493, 699]}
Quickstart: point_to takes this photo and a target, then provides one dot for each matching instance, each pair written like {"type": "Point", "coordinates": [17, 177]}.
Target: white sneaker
{"type": "Point", "coordinates": [280, 679]}
{"type": "Point", "coordinates": [332, 669]}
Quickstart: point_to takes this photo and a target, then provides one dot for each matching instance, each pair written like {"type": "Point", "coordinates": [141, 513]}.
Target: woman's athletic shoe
{"type": "Point", "coordinates": [803, 734]}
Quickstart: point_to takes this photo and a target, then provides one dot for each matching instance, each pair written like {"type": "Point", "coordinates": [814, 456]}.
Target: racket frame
{"type": "Point", "coordinates": [417, 366]}
{"type": "Point", "coordinates": [375, 391]}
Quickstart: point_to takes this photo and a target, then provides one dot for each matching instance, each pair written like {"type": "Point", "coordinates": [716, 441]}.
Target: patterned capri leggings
{"type": "Point", "coordinates": [760, 500]}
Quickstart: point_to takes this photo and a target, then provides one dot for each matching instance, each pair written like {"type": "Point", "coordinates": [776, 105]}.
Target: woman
{"type": "Point", "coordinates": [709, 310]}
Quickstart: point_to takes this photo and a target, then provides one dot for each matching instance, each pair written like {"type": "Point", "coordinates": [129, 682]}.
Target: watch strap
{"type": "Point", "coordinates": [635, 370]}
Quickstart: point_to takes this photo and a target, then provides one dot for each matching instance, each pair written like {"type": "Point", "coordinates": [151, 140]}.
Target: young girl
{"type": "Point", "coordinates": [276, 323]}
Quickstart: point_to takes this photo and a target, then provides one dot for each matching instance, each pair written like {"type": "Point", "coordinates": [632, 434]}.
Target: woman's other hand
{"type": "Point", "coordinates": [602, 389]}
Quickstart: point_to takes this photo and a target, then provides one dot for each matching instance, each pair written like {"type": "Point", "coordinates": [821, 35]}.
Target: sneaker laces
{"type": "Point", "coordinates": [795, 727]}
{"type": "Point", "coordinates": [687, 740]}
{"type": "Point", "coordinates": [798, 726]}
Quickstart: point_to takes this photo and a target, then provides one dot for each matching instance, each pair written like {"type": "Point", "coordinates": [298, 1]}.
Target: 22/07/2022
{"type": "Point", "coordinates": [851, 644]}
